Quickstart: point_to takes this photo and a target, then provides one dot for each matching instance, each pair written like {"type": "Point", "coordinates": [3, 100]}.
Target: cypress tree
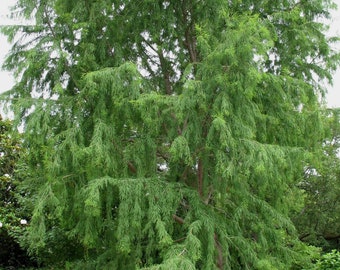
{"type": "Point", "coordinates": [169, 134]}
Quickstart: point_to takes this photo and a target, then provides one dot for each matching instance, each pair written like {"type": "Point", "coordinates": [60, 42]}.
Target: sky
{"type": "Point", "coordinates": [6, 80]}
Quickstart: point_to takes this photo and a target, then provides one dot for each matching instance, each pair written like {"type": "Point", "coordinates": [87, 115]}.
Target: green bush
{"type": "Point", "coordinates": [329, 261]}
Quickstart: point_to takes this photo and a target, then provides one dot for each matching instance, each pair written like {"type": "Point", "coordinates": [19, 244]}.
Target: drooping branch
{"type": "Point", "coordinates": [218, 246]}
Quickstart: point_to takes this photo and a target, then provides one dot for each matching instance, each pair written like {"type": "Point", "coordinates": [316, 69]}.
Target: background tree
{"type": "Point", "coordinates": [170, 134]}
{"type": "Point", "coordinates": [13, 215]}
{"type": "Point", "coordinates": [319, 220]}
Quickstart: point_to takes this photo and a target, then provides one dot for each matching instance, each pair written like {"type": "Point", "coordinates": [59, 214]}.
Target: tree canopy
{"type": "Point", "coordinates": [169, 134]}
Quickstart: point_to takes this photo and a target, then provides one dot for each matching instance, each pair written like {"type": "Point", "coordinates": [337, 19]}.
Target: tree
{"type": "Point", "coordinates": [170, 134]}
{"type": "Point", "coordinates": [319, 222]}
{"type": "Point", "coordinates": [13, 215]}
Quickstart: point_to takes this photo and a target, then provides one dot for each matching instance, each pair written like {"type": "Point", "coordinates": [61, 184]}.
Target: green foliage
{"type": "Point", "coordinates": [329, 261]}
{"type": "Point", "coordinates": [318, 221]}
{"type": "Point", "coordinates": [168, 135]}
{"type": "Point", "coordinates": [12, 211]}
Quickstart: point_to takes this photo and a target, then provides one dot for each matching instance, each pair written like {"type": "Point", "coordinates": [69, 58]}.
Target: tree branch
{"type": "Point", "coordinates": [132, 167]}
{"type": "Point", "coordinates": [219, 260]}
{"type": "Point", "coordinates": [178, 219]}
{"type": "Point", "coordinates": [200, 178]}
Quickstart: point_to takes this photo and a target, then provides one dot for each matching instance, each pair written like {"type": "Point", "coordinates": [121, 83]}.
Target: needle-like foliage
{"type": "Point", "coordinates": [169, 134]}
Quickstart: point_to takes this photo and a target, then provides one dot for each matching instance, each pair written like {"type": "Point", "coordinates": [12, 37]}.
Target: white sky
{"type": "Point", "coordinates": [6, 80]}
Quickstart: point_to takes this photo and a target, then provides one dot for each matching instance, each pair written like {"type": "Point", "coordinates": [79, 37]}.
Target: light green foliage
{"type": "Point", "coordinates": [169, 134]}
{"type": "Point", "coordinates": [329, 261]}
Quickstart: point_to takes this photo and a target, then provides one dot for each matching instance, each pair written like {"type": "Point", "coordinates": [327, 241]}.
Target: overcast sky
{"type": "Point", "coordinates": [6, 80]}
